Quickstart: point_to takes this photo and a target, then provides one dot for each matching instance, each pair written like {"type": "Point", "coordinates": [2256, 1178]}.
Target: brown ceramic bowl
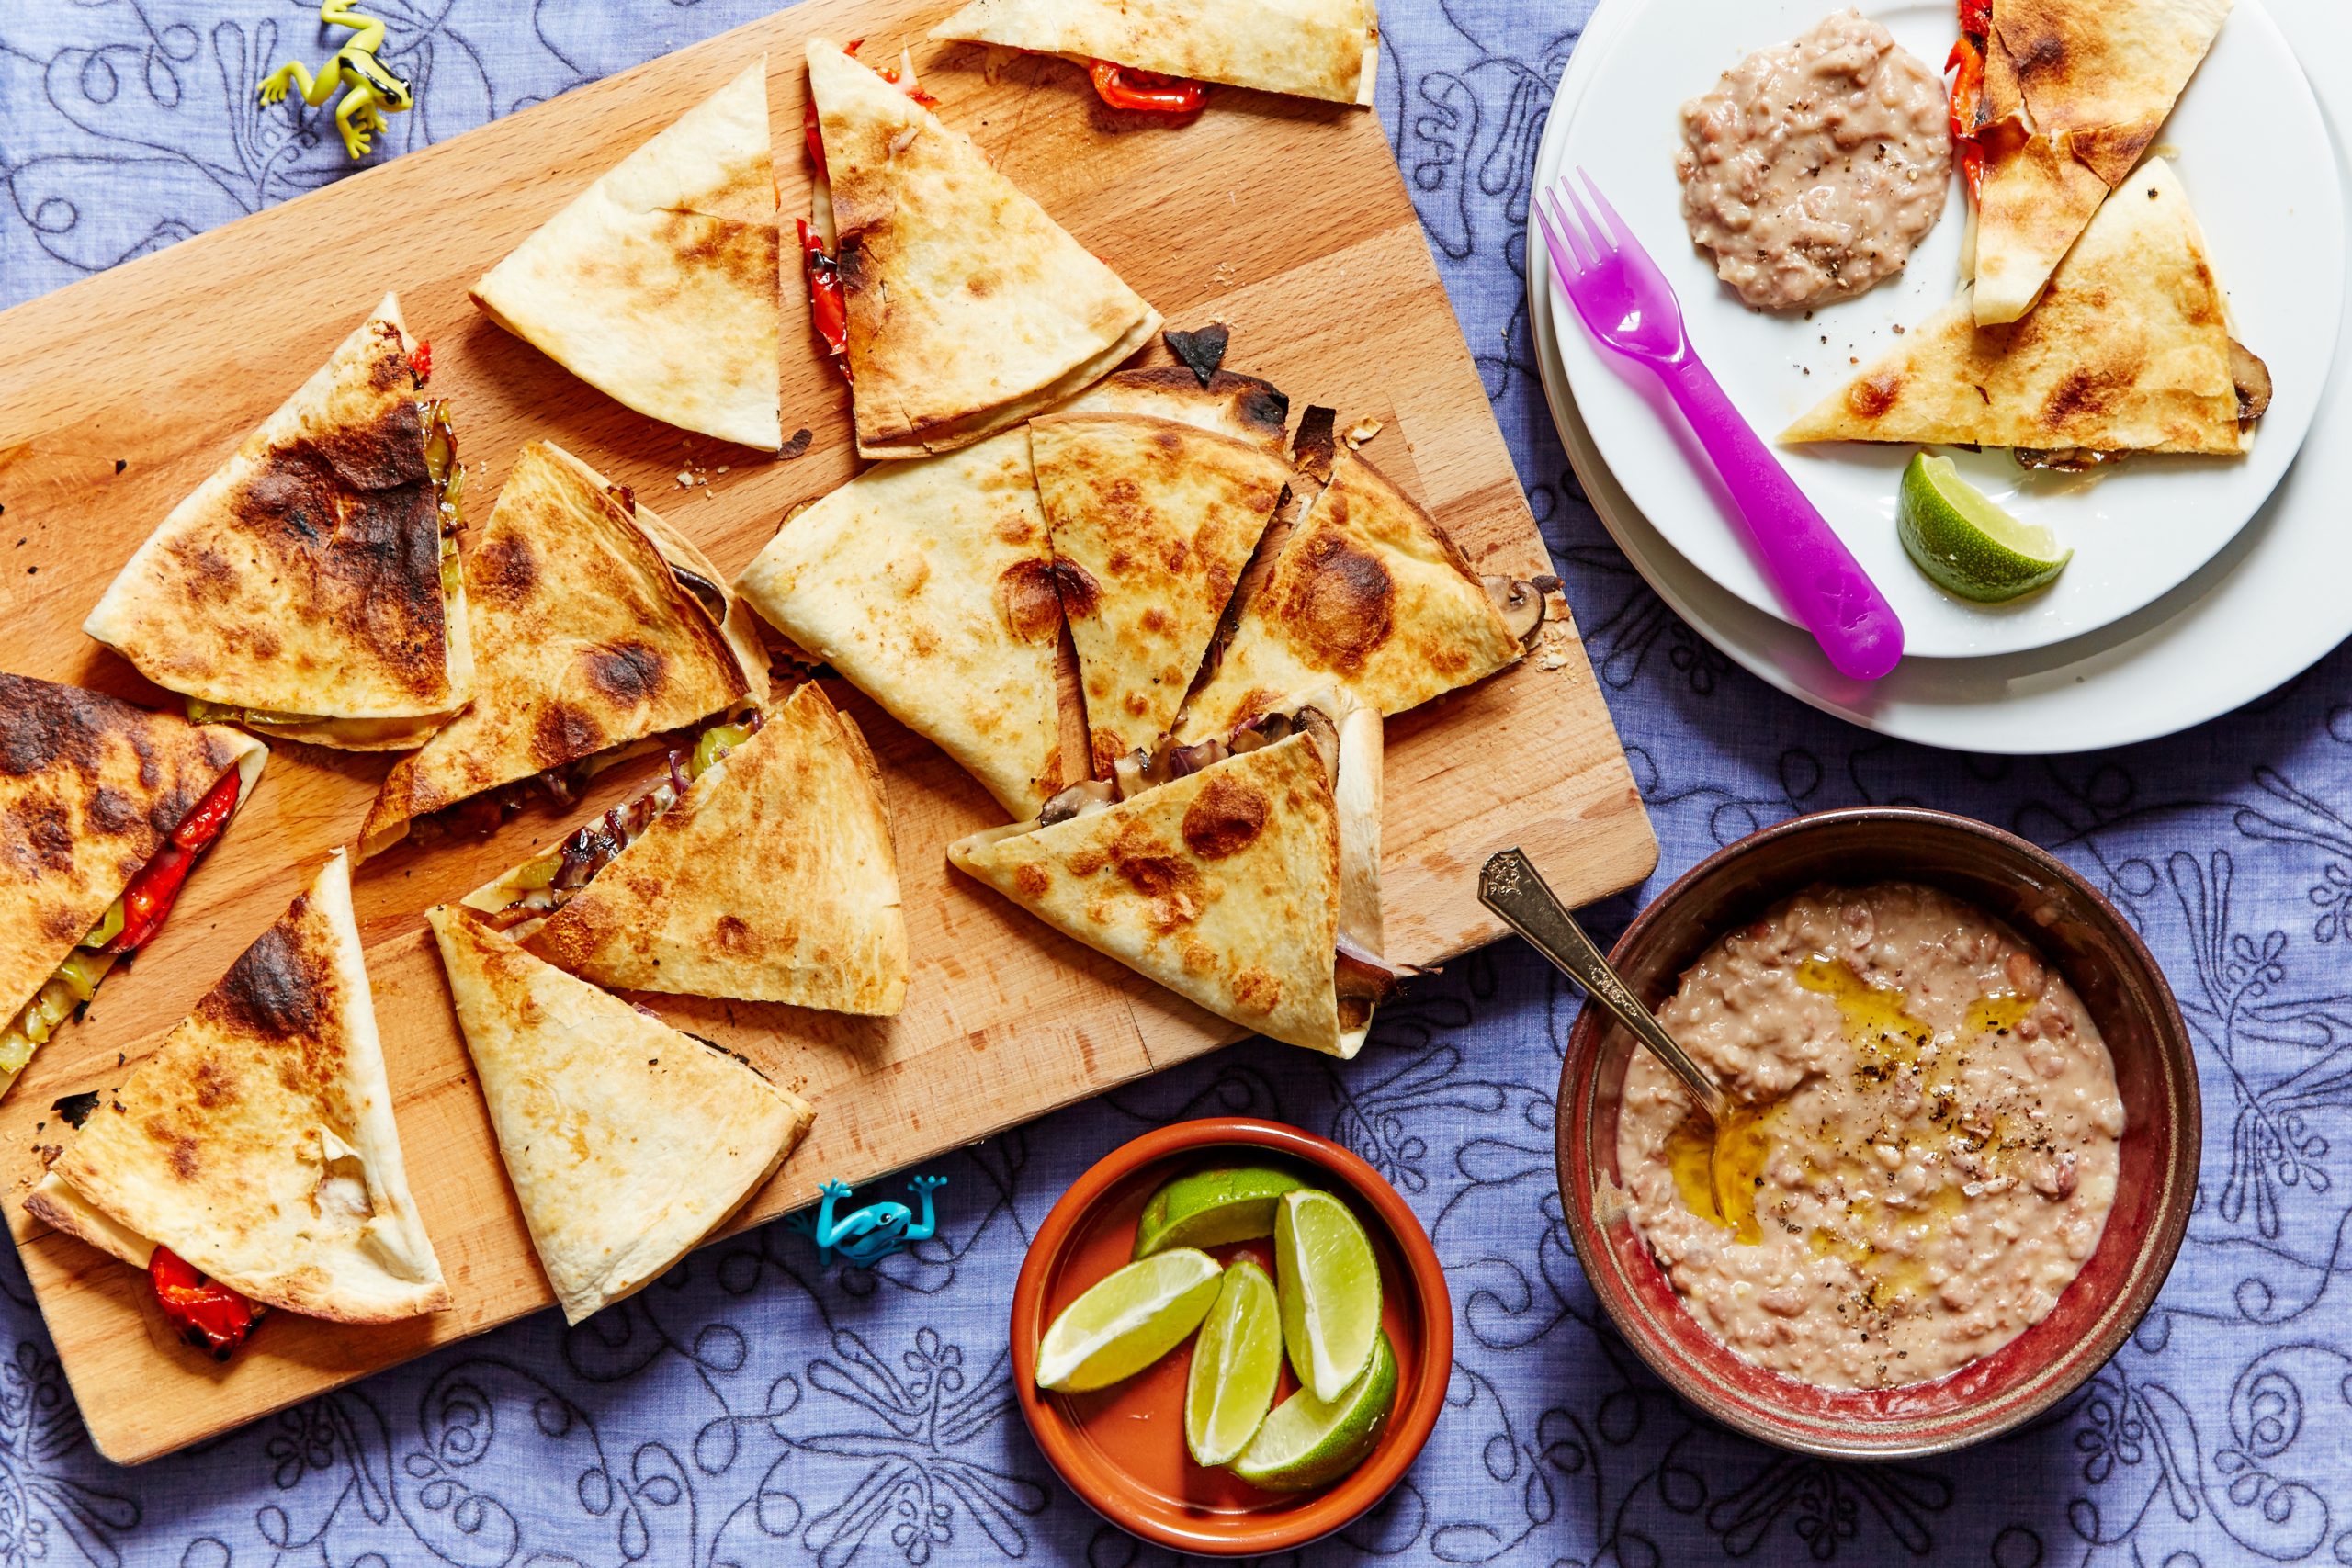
{"type": "Point", "coordinates": [2108, 966]}
{"type": "Point", "coordinates": [1121, 1447]}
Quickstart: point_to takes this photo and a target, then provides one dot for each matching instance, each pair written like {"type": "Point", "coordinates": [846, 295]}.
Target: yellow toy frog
{"type": "Point", "coordinates": [374, 90]}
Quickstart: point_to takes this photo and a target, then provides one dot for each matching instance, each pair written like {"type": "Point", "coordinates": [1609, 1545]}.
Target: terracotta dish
{"type": "Point", "coordinates": [2100, 955]}
{"type": "Point", "coordinates": [1122, 1449]}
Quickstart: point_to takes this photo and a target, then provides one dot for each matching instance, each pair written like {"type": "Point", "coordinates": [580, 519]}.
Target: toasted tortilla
{"type": "Point", "coordinates": [656, 285]}
{"type": "Point", "coordinates": [1368, 594]}
{"type": "Point", "coordinates": [2074, 94]}
{"type": "Point", "coordinates": [2129, 350]}
{"type": "Point", "coordinates": [1152, 523]}
{"type": "Point", "coordinates": [628, 1143]}
{"type": "Point", "coordinates": [929, 585]}
{"type": "Point", "coordinates": [969, 307]}
{"type": "Point", "coordinates": [257, 1140]}
{"type": "Point", "coordinates": [1309, 49]}
{"type": "Point", "coordinates": [303, 578]}
{"type": "Point", "coordinates": [586, 639]}
{"type": "Point", "coordinates": [771, 880]}
{"type": "Point", "coordinates": [90, 789]}
{"type": "Point", "coordinates": [1242, 407]}
{"type": "Point", "coordinates": [1223, 887]}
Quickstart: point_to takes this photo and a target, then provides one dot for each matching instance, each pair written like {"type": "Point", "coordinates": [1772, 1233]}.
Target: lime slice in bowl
{"type": "Point", "coordinates": [1210, 1208]}
{"type": "Point", "coordinates": [1128, 1320]}
{"type": "Point", "coordinates": [1309, 1442]}
{"type": "Point", "coordinates": [1237, 1362]}
{"type": "Point", "coordinates": [1966, 545]}
{"type": "Point", "coordinates": [1330, 1289]}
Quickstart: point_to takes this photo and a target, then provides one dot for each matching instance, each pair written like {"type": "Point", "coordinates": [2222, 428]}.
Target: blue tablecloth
{"type": "Point", "coordinates": [753, 1408]}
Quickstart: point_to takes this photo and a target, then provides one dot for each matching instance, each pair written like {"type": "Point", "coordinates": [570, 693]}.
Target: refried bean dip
{"type": "Point", "coordinates": [1927, 1149]}
{"type": "Point", "coordinates": [1814, 169]}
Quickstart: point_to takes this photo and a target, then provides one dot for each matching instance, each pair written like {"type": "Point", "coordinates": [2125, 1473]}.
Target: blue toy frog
{"type": "Point", "coordinates": [866, 1235]}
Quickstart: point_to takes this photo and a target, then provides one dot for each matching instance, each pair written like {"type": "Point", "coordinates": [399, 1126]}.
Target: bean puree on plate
{"type": "Point", "coordinates": [1926, 1150]}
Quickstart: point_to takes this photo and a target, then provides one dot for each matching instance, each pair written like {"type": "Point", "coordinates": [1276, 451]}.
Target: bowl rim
{"type": "Point", "coordinates": [1341, 1504]}
{"type": "Point", "coordinates": [2156, 1255]}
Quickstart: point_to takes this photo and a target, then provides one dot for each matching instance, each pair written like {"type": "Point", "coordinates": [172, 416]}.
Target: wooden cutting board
{"type": "Point", "coordinates": [1286, 219]}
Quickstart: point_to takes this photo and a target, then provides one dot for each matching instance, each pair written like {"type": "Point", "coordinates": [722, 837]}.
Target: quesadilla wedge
{"type": "Point", "coordinates": [309, 588]}
{"type": "Point", "coordinates": [628, 1143]}
{"type": "Point", "coordinates": [658, 285]}
{"type": "Point", "coordinates": [2071, 95]}
{"type": "Point", "coordinates": [1367, 593]}
{"type": "Point", "coordinates": [930, 587]}
{"type": "Point", "coordinates": [1309, 48]}
{"type": "Point", "coordinates": [105, 808]}
{"type": "Point", "coordinates": [2129, 350]}
{"type": "Point", "coordinates": [598, 629]}
{"type": "Point", "coordinates": [1242, 407]}
{"type": "Point", "coordinates": [968, 308]}
{"type": "Point", "coordinates": [1240, 873]}
{"type": "Point", "coordinates": [256, 1145]}
{"type": "Point", "coordinates": [761, 870]}
{"type": "Point", "coordinates": [1152, 522]}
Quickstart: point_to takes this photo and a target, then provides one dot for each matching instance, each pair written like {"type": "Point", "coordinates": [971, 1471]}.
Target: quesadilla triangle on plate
{"type": "Point", "coordinates": [309, 588]}
{"type": "Point", "coordinates": [1309, 49]}
{"type": "Point", "coordinates": [628, 1144]}
{"type": "Point", "coordinates": [970, 308]}
{"type": "Point", "coordinates": [658, 285]}
{"type": "Point", "coordinates": [2129, 350]}
{"type": "Point", "coordinates": [597, 628]}
{"type": "Point", "coordinates": [1242, 872]}
{"type": "Point", "coordinates": [1242, 407]}
{"type": "Point", "coordinates": [929, 585]}
{"type": "Point", "coordinates": [2075, 94]}
{"type": "Point", "coordinates": [1152, 523]}
{"type": "Point", "coordinates": [769, 878]}
{"type": "Point", "coordinates": [1368, 594]}
{"type": "Point", "coordinates": [257, 1140]}
{"type": "Point", "coordinates": [106, 804]}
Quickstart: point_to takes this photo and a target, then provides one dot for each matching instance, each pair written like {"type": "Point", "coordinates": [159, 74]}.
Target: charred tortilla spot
{"type": "Point", "coordinates": [279, 989]}
{"type": "Point", "coordinates": [1341, 603]}
{"type": "Point", "coordinates": [112, 812]}
{"type": "Point", "coordinates": [503, 570]}
{"type": "Point", "coordinates": [1081, 596]}
{"type": "Point", "coordinates": [1254, 990]}
{"type": "Point", "coordinates": [1032, 881]}
{"type": "Point", "coordinates": [214, 1087]}
{"type": "Point", "coordinates": [181, 1153]}
{"type": "Point", "coordinates": [1870, 396]}
{"type": "Point", "coordinates": [1197, 956]}
{"type": "Point", "coordinates": [1031, 602]}
{"type": "Point", "coordinates": [731, 934]}
{"type": "Point", "coordinates": [563, 734]}
{"type": "Point", "coordinates": [1086, 862]}
{"type": "Point", "coordinates": [629, 672]}
{"type": "Point", "coordinates": [41, 833]}
{"type": "Point", "coordinates": [2084, 393]}
{"type": "Point", "coordinates": [1225, 819]}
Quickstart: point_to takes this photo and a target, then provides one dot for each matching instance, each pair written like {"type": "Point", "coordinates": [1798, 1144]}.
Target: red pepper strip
{"type": "Point", "coordinates": [828, 304]}
{"type": "Point", "coordinates": [1976, 18]}
{"type": "Point", "coordinates": [1127, 87]}
{"type": "Point", "coordinates": [152, 892]}
{"type": "Point", "coordinates": [421, 362]}
{"type": "Point", "coordinates": [810, 134]}
{"type": "Point", "coordinates": [1967, 63]}
{"type": "Point", "coordinates": [206, 1313]}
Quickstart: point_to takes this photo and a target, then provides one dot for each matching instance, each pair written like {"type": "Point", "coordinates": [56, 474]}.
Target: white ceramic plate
{"type": "Point", "coordinates": [2138, 530]}
{"type": "Point", "coordinates": [2267, 608]}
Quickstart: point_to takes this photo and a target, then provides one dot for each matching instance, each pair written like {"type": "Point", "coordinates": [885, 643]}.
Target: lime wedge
{"type": "Point", "coordinates": [1128, 1320]}
{"type": "Point", "coordinates": [1329, 1290]}
{"type": "Point", "coordinates": [1965, 544]}
{"type": "Point", "coordinates": [1309, 1442]}
{"type": "Point", "coordinates": [1237, 1362]}
{"type": "Point", "coordinates": [1209, 1208]}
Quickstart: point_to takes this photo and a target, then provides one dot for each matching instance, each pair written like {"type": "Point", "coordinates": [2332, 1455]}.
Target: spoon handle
{"type": "Point", "coordinates": [1510, 887]}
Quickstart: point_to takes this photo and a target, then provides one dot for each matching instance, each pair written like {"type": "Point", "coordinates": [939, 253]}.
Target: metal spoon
{"type": "Point", "coordinates": [1510, 887]}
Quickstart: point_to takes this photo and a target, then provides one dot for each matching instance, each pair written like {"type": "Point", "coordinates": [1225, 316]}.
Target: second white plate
{"type": "Point", "coordinates": [2139, 530]}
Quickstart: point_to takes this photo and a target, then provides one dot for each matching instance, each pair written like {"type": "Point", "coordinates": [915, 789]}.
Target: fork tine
{"type": "Point", "coordinates": [1564, 255]}
{"type": "Point", "coordinates": [1619, 234]}
{"type": "Point", "coordinates": [1601, 238]}
{"type": "Point", "coordinates": [1587, 257]}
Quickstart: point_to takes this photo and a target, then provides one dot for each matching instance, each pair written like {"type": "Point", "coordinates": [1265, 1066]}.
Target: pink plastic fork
{"type": "Point", "coordinates": [1631, 310]}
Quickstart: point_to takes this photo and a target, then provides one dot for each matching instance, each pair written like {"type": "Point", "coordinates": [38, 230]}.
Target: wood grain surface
{"type": "Point", "coordinates": [1286, 219]}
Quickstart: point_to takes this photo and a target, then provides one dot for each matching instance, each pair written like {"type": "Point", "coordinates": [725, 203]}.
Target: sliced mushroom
{"type": "Point", "coordinates": [2251, 376]}
{"type": "Point", "coordinates": [1365, 976]}
{"type": "Point", "coordinates": [1087, 795]}
{"type": "Point", "coordinates": [1320, 729]}
{"type": "Point", "coordinates": [713, 597]}
{"type": "Point", "coordinates": [1521, 602]}
{"type": "Point", "coordinates": [1183, 761]}
{"type": "Point", "coordinates": [2064, 459]}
